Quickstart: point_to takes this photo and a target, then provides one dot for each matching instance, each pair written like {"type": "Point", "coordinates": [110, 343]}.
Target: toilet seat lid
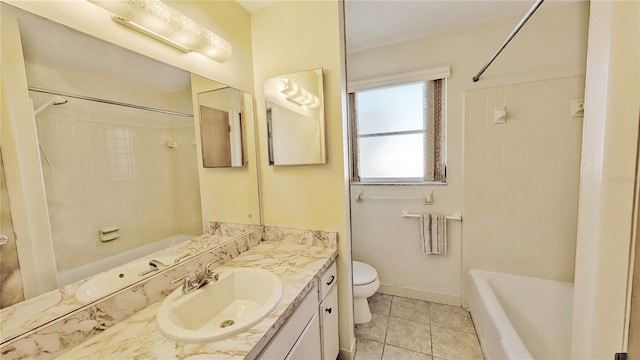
{"type": "Point", "coordinates": [363, 273]}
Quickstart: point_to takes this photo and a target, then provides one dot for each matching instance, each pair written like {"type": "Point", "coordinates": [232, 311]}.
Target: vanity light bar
{"type": "Point", "coordinates": [136, 27]}
{"type": "Point", "coordinates": [295, 93]}
{"type": "Point", "coordinates": [158, 20]}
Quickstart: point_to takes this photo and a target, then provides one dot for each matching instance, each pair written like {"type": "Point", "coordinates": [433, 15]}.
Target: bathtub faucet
{"type": "Point", "coordinates": [191, 284]}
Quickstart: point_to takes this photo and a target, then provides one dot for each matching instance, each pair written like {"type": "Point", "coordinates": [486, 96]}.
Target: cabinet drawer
{"type": "Point", "coordinates": [328, 281]}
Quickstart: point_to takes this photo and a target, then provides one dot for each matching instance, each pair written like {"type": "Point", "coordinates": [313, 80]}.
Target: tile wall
{"type": "Point", "coordinates": [522, 178]}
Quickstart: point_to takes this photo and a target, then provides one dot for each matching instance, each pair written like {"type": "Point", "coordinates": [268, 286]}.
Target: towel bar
{"type": "Point", "coordinates": [456, 217]}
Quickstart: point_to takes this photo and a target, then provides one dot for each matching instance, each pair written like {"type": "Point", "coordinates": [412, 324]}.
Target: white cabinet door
{"type": "Point", "coordinates": [329, 314]}
{"type": "Point", "coordinates": [287, 337]}
{"type": "Point", "coordinates": [308, 345]}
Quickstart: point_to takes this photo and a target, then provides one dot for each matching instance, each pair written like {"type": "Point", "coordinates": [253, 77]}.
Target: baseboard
{"type": "Point", "coordinates": [421, 294]}
{"type": "Point", "coordinates": [348, 354]}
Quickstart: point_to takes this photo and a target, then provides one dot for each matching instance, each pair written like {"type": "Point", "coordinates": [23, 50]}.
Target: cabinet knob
{"type": "Point", "coordinates": [328, 310]}
{"type": "Point", "coordinates": [333, 277]}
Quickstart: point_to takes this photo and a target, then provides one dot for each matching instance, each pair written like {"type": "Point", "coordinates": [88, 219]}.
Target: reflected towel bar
{"type": "Point", "coordinates": [455, 217]}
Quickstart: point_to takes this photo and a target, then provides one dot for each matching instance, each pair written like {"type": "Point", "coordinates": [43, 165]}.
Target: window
{"type": "Point", "coordinates": [399, 132]}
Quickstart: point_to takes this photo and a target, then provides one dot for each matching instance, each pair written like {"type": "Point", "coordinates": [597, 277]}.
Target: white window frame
{"type": "Point", "coordinates": [442, 72]}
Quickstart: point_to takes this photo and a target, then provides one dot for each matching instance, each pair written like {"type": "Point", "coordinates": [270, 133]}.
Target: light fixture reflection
{"type": "Point", "coordinates": [299, 95]}
{"type": "Point", "coordinates": [158, 20]}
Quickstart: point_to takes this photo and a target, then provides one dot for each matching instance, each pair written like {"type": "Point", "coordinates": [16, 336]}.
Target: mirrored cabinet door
{"type": "Point", "coordinates": [295, 118]}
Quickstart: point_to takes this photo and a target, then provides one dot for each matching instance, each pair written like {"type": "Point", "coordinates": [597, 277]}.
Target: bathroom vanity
{"type": "Point", "coordinates": [312, 331]}
{"type": "Point", "coordinates": [303, 325]}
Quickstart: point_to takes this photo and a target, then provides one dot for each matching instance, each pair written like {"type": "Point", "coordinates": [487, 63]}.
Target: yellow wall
{"type": "Point", "coordinates": [290, 37]}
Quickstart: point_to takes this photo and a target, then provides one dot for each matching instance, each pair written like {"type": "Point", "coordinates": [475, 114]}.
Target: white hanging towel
{"type": "Point", "coordinates": [433, 233]}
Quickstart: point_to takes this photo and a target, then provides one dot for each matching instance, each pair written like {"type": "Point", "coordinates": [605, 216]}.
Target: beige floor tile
{"type": "Point", "coordinates": [407, 334]}
{"type": "Point", "coordinates": [452, 317]}
{"type": "Point", "coordinates": [375, 329]}
{"type": "Point", "coordinates": [368, 349]}
{"type": "Point", "coordinates": [410, 309]}
{"type": "Point", "coordinates": [396, 353]}
{"type": "Point", "coordinates": [453, 344]}
{"type": "Point", "coordinates": [380, 303]}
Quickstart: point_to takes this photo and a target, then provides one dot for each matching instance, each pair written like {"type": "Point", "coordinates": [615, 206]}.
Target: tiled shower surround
{"type": "Point", "coordinates": [522, 179]}
{"type": "Point", "coordinates": [52, 339]}
{"type": "Point", "coordinates": [128, 164]}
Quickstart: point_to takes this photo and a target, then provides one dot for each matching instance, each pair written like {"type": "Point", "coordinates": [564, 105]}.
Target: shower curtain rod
{"type": "Point", "coordinates": [515, 30]}
{"type": "Point", "coordinates": [110, 102]}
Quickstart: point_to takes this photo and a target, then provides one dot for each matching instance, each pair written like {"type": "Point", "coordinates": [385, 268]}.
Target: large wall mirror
{"type": "Point", "coordinates": [118, 146]}
{"type": "Point", "coordinates": [295, 118]}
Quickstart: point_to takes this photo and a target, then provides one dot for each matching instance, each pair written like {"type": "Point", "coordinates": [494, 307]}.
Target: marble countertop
{"type": "Point", "coordinates": [138, 336]}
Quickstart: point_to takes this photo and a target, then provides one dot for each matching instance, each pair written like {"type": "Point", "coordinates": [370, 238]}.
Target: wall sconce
{"type": "Point", "coordinates": [299, 95]}
{"type": "Point", "coordinates": [162, 22]}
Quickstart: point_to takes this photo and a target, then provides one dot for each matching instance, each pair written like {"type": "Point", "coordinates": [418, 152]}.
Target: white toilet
{"type": "Point", "coordinates": [365, 284]}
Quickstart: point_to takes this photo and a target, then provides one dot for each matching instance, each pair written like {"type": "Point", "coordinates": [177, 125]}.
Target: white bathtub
{"type": "Point", "coordinates": [72, 275]}
{"type": "Point", "coordinates": [519, 317]}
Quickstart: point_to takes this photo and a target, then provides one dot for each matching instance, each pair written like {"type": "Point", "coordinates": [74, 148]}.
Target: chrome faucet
{"type": "Point", "coordinates": [191, 284]}
{"type": "Point", "coordinates": [208, 274]}
{"type": "Point", "coordinates": [154, 265]}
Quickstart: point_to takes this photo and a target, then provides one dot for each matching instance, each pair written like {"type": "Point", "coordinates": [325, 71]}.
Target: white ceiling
{"type": "Point", "coordinates": [374, 23]}
{"type": "Point", "coordinates": [46, 42]}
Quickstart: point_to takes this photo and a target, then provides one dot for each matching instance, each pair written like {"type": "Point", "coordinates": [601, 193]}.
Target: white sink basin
{"type": "Point", "coordinates": [115, 279]}
{"type": "Point", "coordinates": [238, 300]}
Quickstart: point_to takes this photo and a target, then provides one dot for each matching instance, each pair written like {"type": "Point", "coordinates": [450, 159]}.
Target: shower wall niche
{"type": "Point", "coordinates": [107, 166]}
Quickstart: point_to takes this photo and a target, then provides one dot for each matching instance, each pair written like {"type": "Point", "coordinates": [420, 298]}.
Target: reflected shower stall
{"type": "Point", "coordinates": [121, 179]}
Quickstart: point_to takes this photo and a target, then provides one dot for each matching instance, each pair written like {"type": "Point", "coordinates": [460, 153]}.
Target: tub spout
{"type": "Point", "coordinates": [154, 265]}
{"type": "Point", "coordinates": [157, 264]}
